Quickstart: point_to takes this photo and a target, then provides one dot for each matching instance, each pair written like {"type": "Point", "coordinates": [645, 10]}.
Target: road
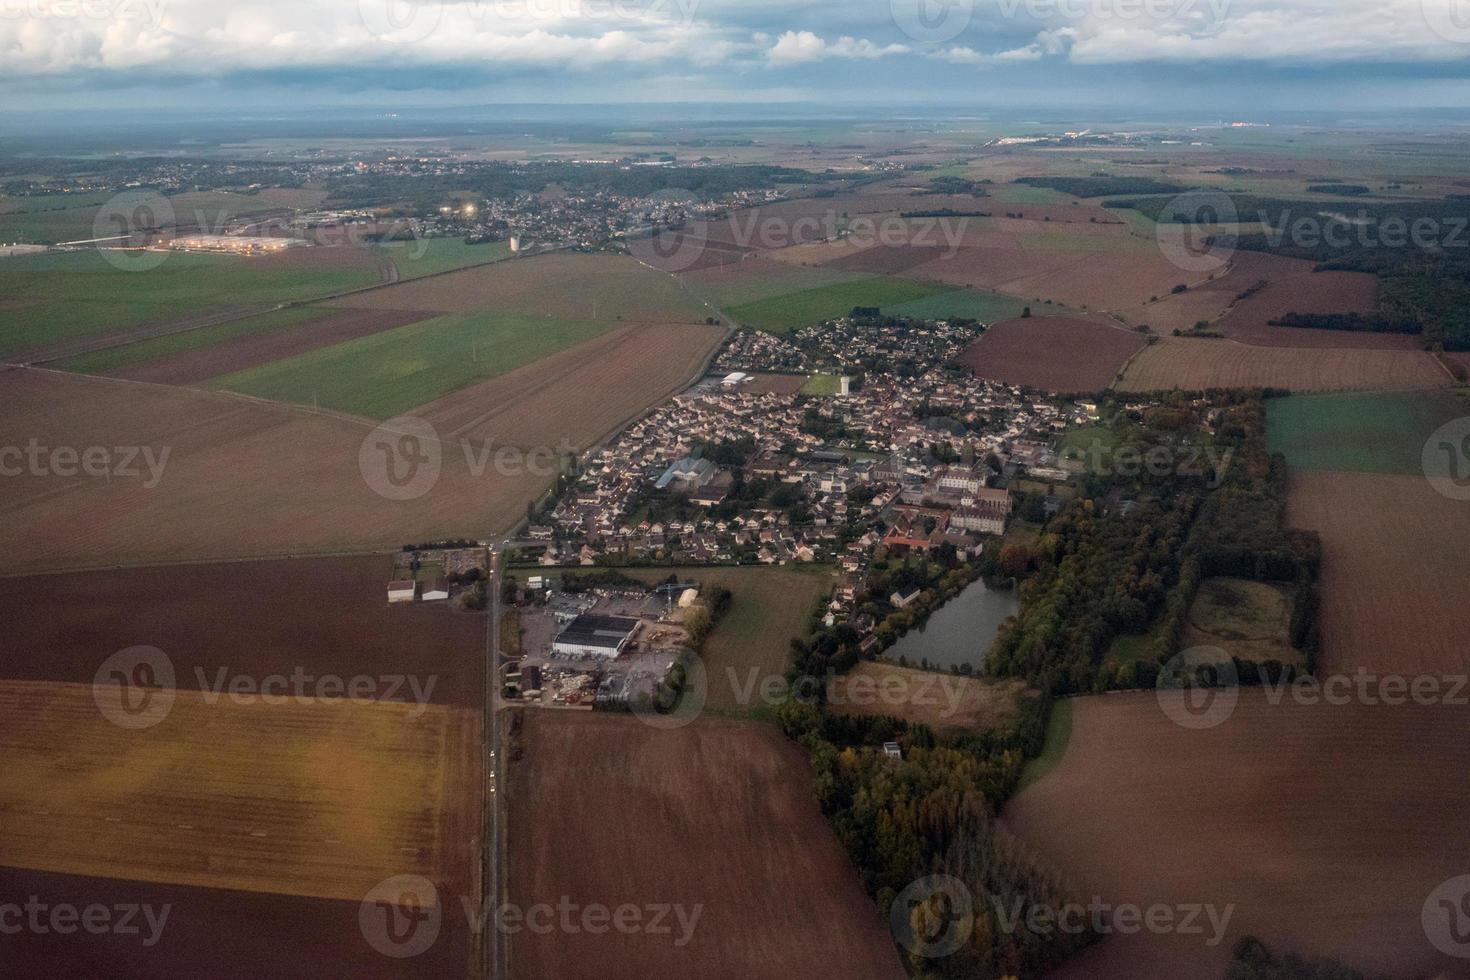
{"type": "Point", "coordinates": [493, 944]}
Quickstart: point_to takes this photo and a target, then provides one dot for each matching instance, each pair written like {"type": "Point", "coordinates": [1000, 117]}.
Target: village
{"type": "Point", "coordinates": [732, 472]}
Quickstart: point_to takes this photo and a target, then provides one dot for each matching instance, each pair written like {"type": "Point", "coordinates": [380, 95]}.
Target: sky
{"type": "Point", "coordinates": [1215, 56]}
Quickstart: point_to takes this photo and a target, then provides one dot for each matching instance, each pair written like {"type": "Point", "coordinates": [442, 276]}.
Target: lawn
{"type": "Point", "coordinates": [973, 304]}
{"type": "Point", "coordinates": [1371, 432]}
{"type": "Point", "coordinates": [784, 314]}
{"type": "Point", "coordinates": [58, 296]}
{"type": "Point", "coordinates": [822, 385]}
{"type": "Point", "coordinates": [112, 358]}
{"type": "Point", "coordinates": [428, 256]}
{"type": "Point", "coordinates": [388, 373]}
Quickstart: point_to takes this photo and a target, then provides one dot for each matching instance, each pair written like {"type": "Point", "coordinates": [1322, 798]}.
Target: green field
{"type": "Point", "coordinates": [1375, 432]}
{"type": "Point", "coordinates": [756, 279]}
{"type": "Point", "coordinates": [112, 358]}
{"type": "Point", "coordinates": [972, 304]}
{"type": "Point", "coordinates": [58, 296]}
{"type": "Point", "coordinates": [783, 314]}
{"type": "Point", "coordinates": [388, 373]}
{"type": "Point", "coordinates": [1025, 194]}
{"type": "Point", "coordinates": [50, 218]}
{"type": "Point", "coordinates": [427, 256]}
{"type": "Point", "coordinates": [822, 385]}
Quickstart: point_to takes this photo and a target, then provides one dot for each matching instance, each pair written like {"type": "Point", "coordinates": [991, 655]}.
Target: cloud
{"type": "Point", "coordinates": [95, 39]}
{"type": "Point", "coordinates": [797, 47]}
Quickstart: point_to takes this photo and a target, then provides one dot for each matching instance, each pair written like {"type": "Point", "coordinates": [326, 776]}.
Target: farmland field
{"type": "Point", "coordinates": [72, 217]}
{"type": "Point", "coordinates": [1059, 353]}
{"type": "Point", "coordinates": [341, 794]}
{"type": "Point", "coordinates": [1194, 364]}
{"type": "Point", "coordinates": [559, 285]}
{"type": "Point", "coordinates": [1119, 277]}
{"type": "Point", "coordinates": [238, 346]}
{"type": "Point", "coordinates": [237, 816]}
{"type": "Point", "coordinates": [759, 278]}
{"type": "Point", "coordinates": [328, 614]}
{"type": "Point", "coordinates": [303, 491]}
{"type": "Point", "coordinates": [1325, 827]}
{"type": "Point", "coordinates": [947, 703]}
{"type": "Point", "coordinates": [389, 372]}
{"type": "Point", "coordinates": [972, 303]}
{"type": "Point", "coordinates": [575, 397]}
{"type": "Point", "coordinates": [67, 298]}
{"type": "Point", "coordinates": [430, 256]}
{"type": "Point", "coordinates": [776, 894]}
{"type": "Point", "coordinates": [1395, 598]}
{"type": "Point", "coordinates": [784, 314]}
{"type": "Point", "coordinates": [1375, 432]}
{"type": "Point", "coordinates": [229, 935]}
{"type": "Point", "coordinates": [1260, 287]}
{"type": "Point", "coordinates": [752, 642]}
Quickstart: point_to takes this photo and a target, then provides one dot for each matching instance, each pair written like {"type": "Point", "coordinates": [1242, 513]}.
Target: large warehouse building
{"type": "Point", "coordinates": [596, 636]}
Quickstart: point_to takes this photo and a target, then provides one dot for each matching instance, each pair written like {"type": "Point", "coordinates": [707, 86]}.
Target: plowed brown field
{"type": "Point", "coordinates": [1326, 828]}
{"type": "Point", "coordinates": [241, 478]}
{"type": "Point", "coordinates": [1054, 353]}
{"type": "Point", "coordinates": [1395, 594]}
{"type": "Point", "coordinates": [716, 816]}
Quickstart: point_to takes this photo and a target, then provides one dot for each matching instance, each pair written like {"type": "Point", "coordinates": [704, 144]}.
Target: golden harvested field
{"type": "Point", "coordinates": [1194, 364]}
{"type": "Point", "coordinates": [1395, 593]}
{"type": "Point", "coordinates": [576, 397]}
{"type": "Point", "coordinates": [242, 478]}
{"type": "Point", "coordinates": [1325, 827]}
{"type": "Point", "coordinates": [947, 703]}
{"type": "Point", "coordinates": [322, 799]}
{"type": "Point", "coordinates": [716, 818]}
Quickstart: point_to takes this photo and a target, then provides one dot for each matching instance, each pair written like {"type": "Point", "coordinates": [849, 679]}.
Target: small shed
{"type": "Point", "coordinates": [401, 591]}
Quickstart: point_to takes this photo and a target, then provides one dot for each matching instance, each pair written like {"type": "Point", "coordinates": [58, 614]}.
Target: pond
{"type": "Point", "coordinates": [960, 631]}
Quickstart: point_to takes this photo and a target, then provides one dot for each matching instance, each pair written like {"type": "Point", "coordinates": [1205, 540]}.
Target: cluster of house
{"type": "Point", "coordinates": [848, 343]}
{"type": "Point", "coordinates": [923, 461]}
{"type": "Point", "coordinates": [755, 350]}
